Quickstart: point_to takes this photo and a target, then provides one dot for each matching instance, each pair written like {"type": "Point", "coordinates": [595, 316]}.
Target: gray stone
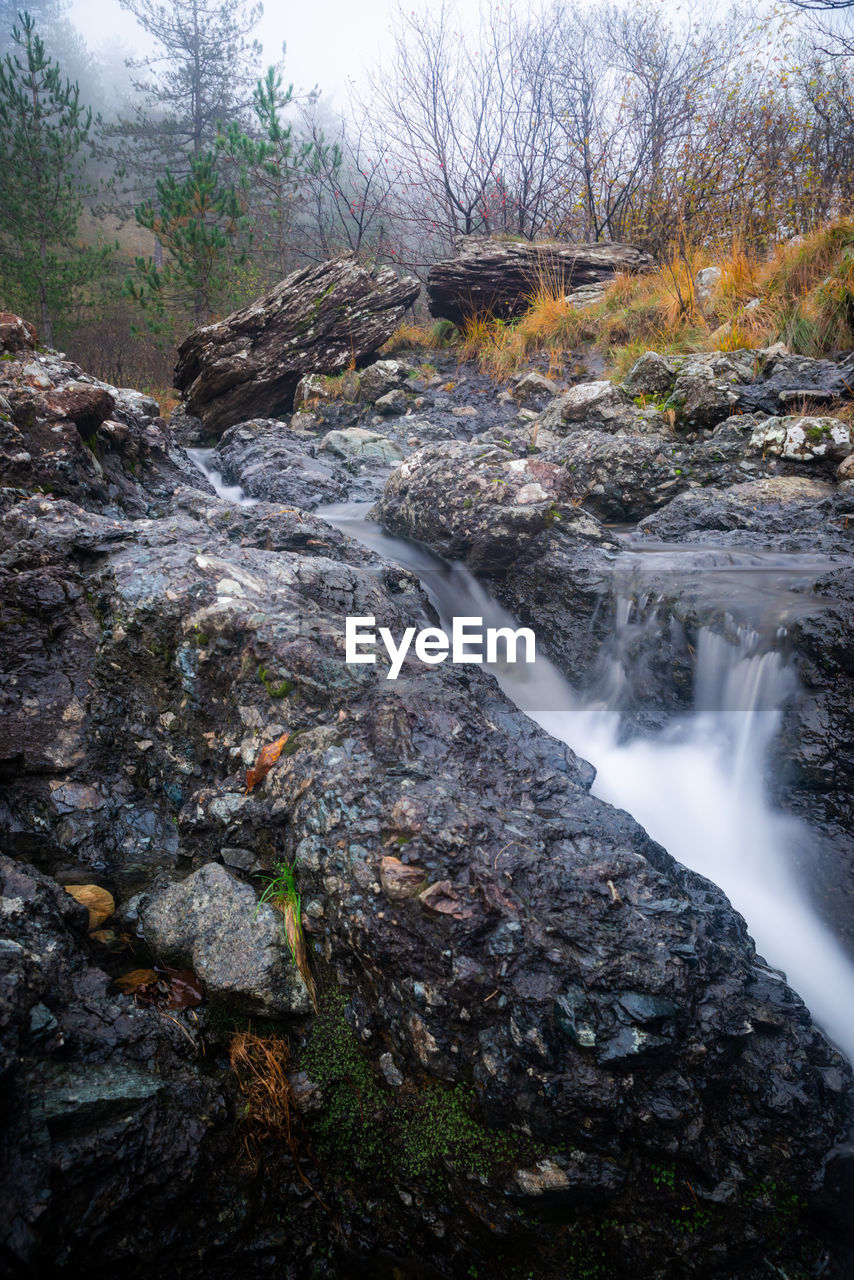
{"type": "Point", "coordinates": [533, 385]}
{"type": "Point", "coordinates": [357, 443]}
{"type": "Point", "coordinates": [597, 402]}
{"type": "Point", "coordinates": [212, 923]}
{"type": "Point", "coordinates": [651, 375]}
{"type": "Point", "coordinates": [392, 1074]}
{"type": "Point", "coordinates": [585, 296]}
{"type": "Point", "coordinates": [381, 377]}
{"type": "Point", "coordinates": [320, 317]}
{"type": "Point", "coordinates": [705, 284]}
{"type": "Point", "coordinates": [804, 439]}
{"type": "Point", "coordinates": [393, 403]}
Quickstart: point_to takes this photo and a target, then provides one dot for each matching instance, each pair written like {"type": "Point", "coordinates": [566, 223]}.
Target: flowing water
{"type": "Point", "coordinates": [204, 460]}
{"type": "Point", "coordinates": [697, 786]}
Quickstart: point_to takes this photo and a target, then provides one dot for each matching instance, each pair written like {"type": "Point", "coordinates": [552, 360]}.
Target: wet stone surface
{"type": "Point", "coordinates": [478, 920]}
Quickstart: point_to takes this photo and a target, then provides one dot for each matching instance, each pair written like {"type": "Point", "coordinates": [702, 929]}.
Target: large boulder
{"type": "Point", "coordinates": [804, 439]}
{"type": "Point", "coordinates": [786, 383]}
{"type": "Point", "coordinates": [65, 433]}
{"type": "Point", "coordinates": [498, 277]}
{"type": "Point", "coordinates": [318, 319]}
{"type": "Point", "coordinates": [791, 510]}
{"type": "Point", "coordinates": [272, 462]}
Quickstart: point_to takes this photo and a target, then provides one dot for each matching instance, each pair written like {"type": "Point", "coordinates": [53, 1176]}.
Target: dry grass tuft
{"type": "Point", "coordinates": [802, 296]}
{"type": "Point", "coordinates": [420, 337]}
{"type": "Point", "coordinates": [260, 1064]}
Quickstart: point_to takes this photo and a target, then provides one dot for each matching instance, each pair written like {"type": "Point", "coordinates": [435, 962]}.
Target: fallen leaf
{"type": "Point", "coordinates": [99, 902]}
{"type": "Point", "coordinates": [444, 899]}
{"type": "Point", "coordinates": [135, 981]}
{"type": "Point", "coordinates": [264, 761]}
{"type": "Point", "coordinates": [185, 990]}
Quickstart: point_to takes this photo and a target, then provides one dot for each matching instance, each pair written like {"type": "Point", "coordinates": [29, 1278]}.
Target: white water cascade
{"type": "Point", "coordinates": [204, 459]}
{"type": "Point", "coordinates": [697, 786]}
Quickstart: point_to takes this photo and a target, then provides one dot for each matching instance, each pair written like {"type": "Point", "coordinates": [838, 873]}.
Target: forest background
{"type": "Point", "coordinates": [145, 194]}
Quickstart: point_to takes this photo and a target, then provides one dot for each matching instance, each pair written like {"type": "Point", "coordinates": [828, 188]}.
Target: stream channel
{"type": "Point", "coordinates": [698, 784]}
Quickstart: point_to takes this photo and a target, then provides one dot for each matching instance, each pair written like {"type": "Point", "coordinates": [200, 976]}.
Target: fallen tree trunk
{"type": "Point", "coordinates": [319, 319]}
{"type": "Point", "coordinates": [498, 277]}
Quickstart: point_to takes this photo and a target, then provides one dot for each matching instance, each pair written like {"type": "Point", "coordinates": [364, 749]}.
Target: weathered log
{"type": "Point", "coordinates": [317, 319]}
{"type": "Point", "coordinates": [498, 277]}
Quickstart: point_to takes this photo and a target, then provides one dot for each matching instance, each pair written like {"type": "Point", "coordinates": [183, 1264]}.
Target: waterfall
{"type": "Point", "coordinates": [698, 786]}
{"type": "Point", "coordinates": [203, 459]}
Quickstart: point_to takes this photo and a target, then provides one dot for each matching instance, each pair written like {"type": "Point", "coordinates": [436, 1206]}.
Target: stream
{"type": "Point", "coordinates": [697, 786]}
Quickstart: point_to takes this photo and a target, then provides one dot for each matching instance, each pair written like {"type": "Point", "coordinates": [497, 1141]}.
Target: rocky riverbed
{"type": "Point", "coordinates": [523, 1039]}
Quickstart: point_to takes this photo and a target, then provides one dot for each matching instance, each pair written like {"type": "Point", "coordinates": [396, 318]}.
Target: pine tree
{"type": "Point", "coordinates": [197, 219]}
{"type": "Point", "coordinates": [44, 141]}
{"type": "Point", "coordinates": [202, 72]}
{"type": "Point", "coordinates": [270, 165]}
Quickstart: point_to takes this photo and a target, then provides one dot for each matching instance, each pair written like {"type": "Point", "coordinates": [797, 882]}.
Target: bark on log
{"type": "Point", "coordinates": [318, 319]}
{"type": "Point", "coordinates": [497, 277]}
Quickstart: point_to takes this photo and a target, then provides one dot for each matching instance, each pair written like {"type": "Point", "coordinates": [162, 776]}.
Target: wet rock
{"type": "Point", "coordinates": [399, 880]}
{"type": "Point", "coordinates": [651, 375]}
{"type": "Point", "coordinates": [707, 387]}
{"type": "Point", "coordinates": [192, 639]}
{"type": "Point", "coordinates": [212, 923]}
{"type": "Point", "coordinates": [595, 404]}
{"type": "Point", "coordinates": [794, 511]}
{"type": "Point", "coordinates": [393, 403]}
{"type": "Point", "coordinates": [478, 502]}
{"type": "Point", "coordinates": [804, 439]}
{"type": "Point", "coordinates": [186, 429]}
{"type": "Point", "coordinates": [785, 380]}
{"type": "Point", "coordinates": [16, 334]}
{"type": "Point", "coordinates": [65, 434]}
{"type": "Point", "coordinates": [272, 462]}
{"type": "Point", "coordinates": [319, 317]}
{"type": "Point", "coordinates": [381, 377]}
{"type": "Point", "coordinates": [534, 386]}
{"type": "Point", "coordinates": [356, 443]}
{"type": "Point", "coordinates": [498, 277]}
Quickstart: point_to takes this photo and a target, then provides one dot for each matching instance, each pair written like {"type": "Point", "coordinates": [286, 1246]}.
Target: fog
{"type": "Point", "coordinates": [328, 44]}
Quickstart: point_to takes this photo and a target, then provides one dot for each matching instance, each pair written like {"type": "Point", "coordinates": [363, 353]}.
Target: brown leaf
{"type": "Point", "coordinates": [185, 990]}
{"type": "Point", "coordinates": [135, 981]}
{"type": "Point", "coordinates": [99, 902]}
{"type": "Point", "coordinates": [264, 761]}
{"type": "Point", "coordinates": [443, 898]}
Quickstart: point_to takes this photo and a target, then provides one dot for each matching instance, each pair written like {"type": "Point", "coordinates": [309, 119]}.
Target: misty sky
{"type": "Point", "coordinates": [328, 41]}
